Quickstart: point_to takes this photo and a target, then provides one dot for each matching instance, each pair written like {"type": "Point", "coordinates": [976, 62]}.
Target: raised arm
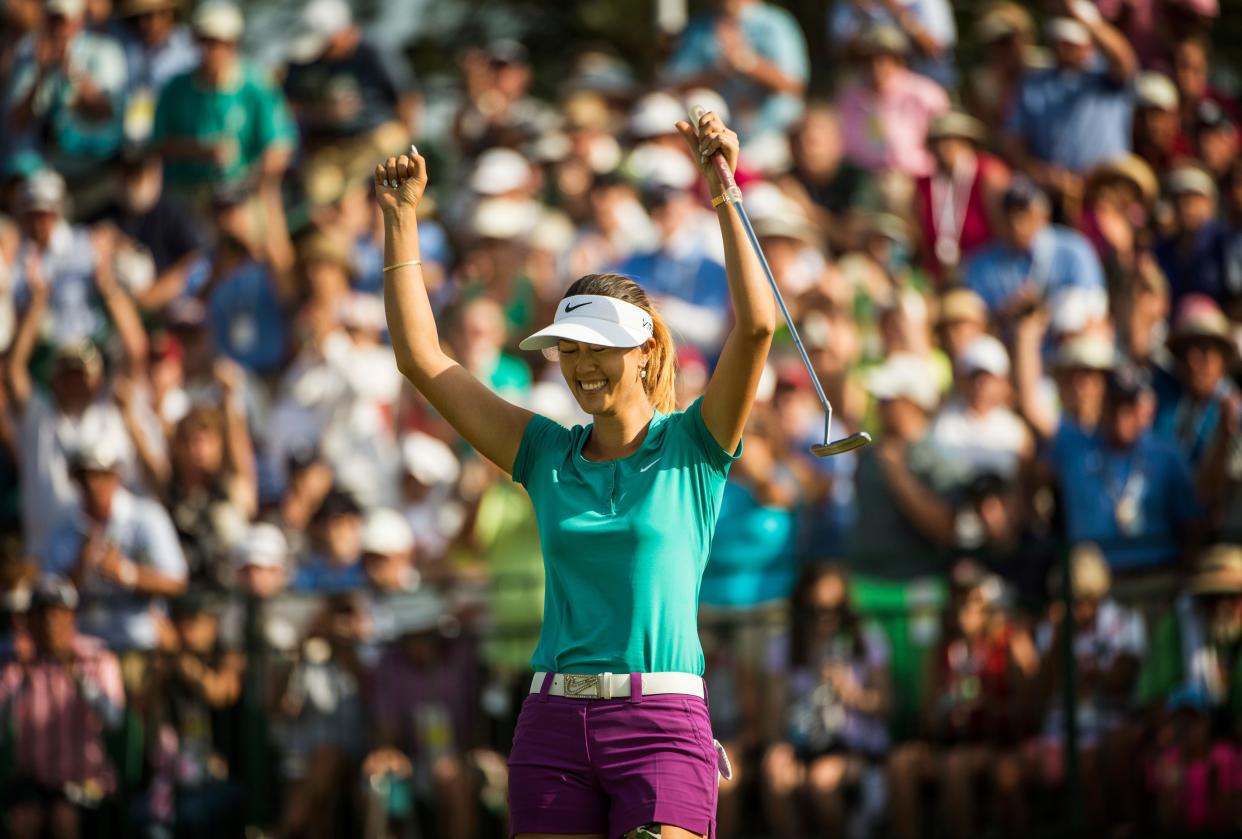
{"type": "Point", "coordinates": [493, 426]}
{"type": "Point", "coordinates": [20, 386]}
{"type": "Point", "coordinates": [731, 390]}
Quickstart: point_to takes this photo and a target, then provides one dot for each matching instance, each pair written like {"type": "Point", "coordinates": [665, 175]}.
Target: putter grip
{"type": "Point", "coordinates": [727, 182]}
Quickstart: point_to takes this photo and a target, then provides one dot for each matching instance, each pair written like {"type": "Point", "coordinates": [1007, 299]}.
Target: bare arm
{"type": "Point", "coordinates": [1028, 370]}
{"type": "Point", "coordinates": [121, 309]}
{"type": "Point", "coordinates": [20, 386]}
{"type": "Point", "coordinates": [930, 514]}
{"type": "Point", "coordinates": [731, 390]}
{"type": "Point", "coordinates": [1122, 62]}
{"type": "Point", "coordinates": [238, 450]}
{"type": "Point", "coordinates": [492, 425]}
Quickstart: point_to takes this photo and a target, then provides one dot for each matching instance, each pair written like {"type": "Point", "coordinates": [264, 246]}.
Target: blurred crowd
{"type": "Point", "coordinates": [251, 582]}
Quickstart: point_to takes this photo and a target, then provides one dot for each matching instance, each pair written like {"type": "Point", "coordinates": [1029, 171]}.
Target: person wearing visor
{"type": "Point", "coordinates": [615, 734]}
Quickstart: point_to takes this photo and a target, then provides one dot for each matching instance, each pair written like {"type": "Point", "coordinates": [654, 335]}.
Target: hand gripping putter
{"type": "Point", "coordinates": [734, 197]}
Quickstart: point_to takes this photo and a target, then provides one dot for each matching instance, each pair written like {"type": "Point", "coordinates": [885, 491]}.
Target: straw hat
{"type": "Point", "coordinates": [1200, 318]}
{"type": "Point", "coordinates": [1127, 167]}
{"type": "Point", "coordinates": [1219, 571]}
{"type": "Point", "coordinates": [957, 124]}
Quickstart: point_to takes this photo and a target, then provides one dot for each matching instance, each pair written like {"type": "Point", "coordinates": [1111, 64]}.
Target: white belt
{"type": "Point", "coordinates": [617, 685]}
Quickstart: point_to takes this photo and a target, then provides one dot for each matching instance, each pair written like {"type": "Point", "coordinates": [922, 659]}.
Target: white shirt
{"type": "Point", "coordinates": [983, 443]}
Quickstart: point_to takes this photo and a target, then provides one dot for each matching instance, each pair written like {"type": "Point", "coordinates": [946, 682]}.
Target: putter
{"type": "Point", "coordinates": [734, 195]}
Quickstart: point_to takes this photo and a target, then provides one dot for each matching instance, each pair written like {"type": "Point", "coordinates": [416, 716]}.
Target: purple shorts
{"type": "Point", "coordinates": [608, 766]}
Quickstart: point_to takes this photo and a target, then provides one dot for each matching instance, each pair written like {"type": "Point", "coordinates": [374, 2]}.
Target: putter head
{"type": "Point", "coordinates": [845, 444]}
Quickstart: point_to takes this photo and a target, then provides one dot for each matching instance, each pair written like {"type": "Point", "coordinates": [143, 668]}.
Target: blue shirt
{"type": "Point", "coordinates": [1210, 265]}
{"type": "Point", "coordinates": [1073, 118]}
{"type": "Point", "coordinates": [693, 277]}
{"type": "Point", "coordinates": [1059, 258]}
{"type": "Point", "coordinates": [246, 319]}
{"type": "Point", "coordinates": [847, 21]}
{"type": "Point", "coordinates": [774, 34]}
{"type": "Point", "coordinates": [752, 558]}
{"type": "Point", "coordinates": [150, 68]}
{"type": "Point", "coordinates": [624, 543]}
{"type": "Point", "coordinates": [1098, 483]}
{"type": "Point", "coordinates": [316, 576]}
{"type": "Point", "coordinates": [144, 534]}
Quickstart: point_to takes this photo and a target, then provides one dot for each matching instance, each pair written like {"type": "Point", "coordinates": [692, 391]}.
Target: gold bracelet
{"type": "Point", "coordinates": [402, 265]}
{"type": "Point", "coordinates": [720, 199]}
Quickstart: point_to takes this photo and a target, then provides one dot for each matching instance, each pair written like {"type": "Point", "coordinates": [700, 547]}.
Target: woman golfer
{"type": "Point", "coordinates": [615, 734]}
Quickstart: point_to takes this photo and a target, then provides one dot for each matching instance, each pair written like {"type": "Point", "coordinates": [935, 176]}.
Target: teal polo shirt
{"type": "Point", "coordinates": [624, 544]}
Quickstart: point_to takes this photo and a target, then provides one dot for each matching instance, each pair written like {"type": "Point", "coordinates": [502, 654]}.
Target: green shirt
{"type": "Point", "coordinates": [250, 111]}
{"type": "Point", "coordinates": [624, 544]}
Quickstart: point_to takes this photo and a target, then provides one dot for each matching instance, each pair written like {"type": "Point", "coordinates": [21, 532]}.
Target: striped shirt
{"type": "Point", "coordinates": [57, 715]}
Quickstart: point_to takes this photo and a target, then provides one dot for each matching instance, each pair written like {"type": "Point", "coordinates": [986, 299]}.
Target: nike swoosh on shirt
{"type": "Point", "coordinates": [569, 307]}
{"type": "Point", "coordinates": [649, 465]}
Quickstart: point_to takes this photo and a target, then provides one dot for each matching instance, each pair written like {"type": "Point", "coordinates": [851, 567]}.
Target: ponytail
{"type": "Point", "coordinates": [661, 380]}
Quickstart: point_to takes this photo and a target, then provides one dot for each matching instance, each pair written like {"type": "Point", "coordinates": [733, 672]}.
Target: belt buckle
{"type": "Point", "coordinates": [582, 686]}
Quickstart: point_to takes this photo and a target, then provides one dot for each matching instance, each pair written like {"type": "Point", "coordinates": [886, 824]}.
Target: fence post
{"type": "Point", "coordinates": [1073, 779]}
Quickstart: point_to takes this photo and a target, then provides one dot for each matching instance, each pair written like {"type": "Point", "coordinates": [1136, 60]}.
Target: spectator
{"type": "Point", "coordinates": [1215, 141]}
{"type": "Point", "coordinates": [333, 564]}
{"type": "Point", "coordinates": [1068, 118]}
{"type": "Point", "coordinates": [192, 698]}
{"type": "Point", "coordinates": [1194, 673]}
{"type": "Point", "coordinates": [1192, 55]}
{"type": "Point", "coordinates": [156, 225]}
{"type": "Point", "coordinates": [1202, 344]}
{"type": "Point", "coordinates": [1124, 488]}
{"type": "Point", "coordinates": [754, 54]}
{"type": "Point", "coordinates": [423, 722]}
{"type": "Point", "coordinates": [928, 24]}
{"type": "Point", "coordinates": [958, 206]}
{"type": "Point", "coordinates": [261, 561]}
{"type": "Point", "coordinates": [1032, 258]}
{"type": "Point", "coordinates": [64, 98]}
{"type": "Point", "coordinates": [212, 492]}
{"type": "Point", "coordinates": [499, 110]}
{"type": "Point", "coordinates": [157, 49]}
{"type": "Point", "coordinates": [1006, 33]}
{"type": "Point", "coordinates": [354, 104]}
{"type": "Point", "coordinates": [973, 708]}
{"type": "Point", "coordinates": [1109, 643]}
{"type": "Point", "coordinates": [74, 263]}
{"type": "Point", "coordinates": [685, 275]}
{"type": "Point", "coordinates": [60, 704]}
{"type": "Point", "coordinates": [961, 316]}
{"type": "Point", "coordinates": [1158, 137]}
{"type": "Point", "coordinates": [221, 122]}
{"type": "Point", "coordinates": [478, 342]}
{"type": "Point", "coordinates": [323, 715]}
{"type": "Point", "coordinates": [430, 471]}
{"type": "Point", "coordinates": [975, 427]}
{"type": "Point", "coordinates": [388, 565]}
{"type": "Point", "coordinates": [1117, 205]}
{"type": "Point", "coordinates": [887, 109]}
{"type": "Point", "coordinates": [838, 694]}
{"type": "Point", "coordinates": [120, 550]}
{"type": "Point", "coordinates": [77, 408]}
{"type": "Point", "coordinates": [826, 184]}
{"type": "Point", "coordinates": [1194, 257]}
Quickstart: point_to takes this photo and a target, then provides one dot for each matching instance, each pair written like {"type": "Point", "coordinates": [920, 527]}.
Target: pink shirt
{"type": "Point", "coordinates": [889, 130]}
{"type": "Point", "coordinates": [59, 725]}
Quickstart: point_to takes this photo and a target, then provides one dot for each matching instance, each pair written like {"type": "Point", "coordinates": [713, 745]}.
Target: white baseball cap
{"type": "Point", "coordinates": [655, 115]}
{"type": "Point", "coordinates": [1068, 30]}
{"type": "Point", "coordinates": [429, 460]}
{"type": "Point", "coordinates": [65, 8]}
{"type": "Point", "coordinates": [905, 376]}
{"type": "Point", "coordinates": [321, 19]}
{"type": "Point", "coordinates": [219, 20]}
{"type": "Point", "coordinates": [498, 171]}
{"type": "Point", "coordinates": [985, 354]}
{"type": "Point", "coordinates": [386, 532]}
{"type": "Point", "coordinates": [263, 545]}
{"type": "Point", "coordinates": [593, 319]}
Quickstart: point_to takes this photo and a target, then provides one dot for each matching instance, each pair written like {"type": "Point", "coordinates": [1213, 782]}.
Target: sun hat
{"type": "Point", "coordinates": [498, 171]}
{"type": "Point", "coordinates": [961, 304]}
{"type": "Point", "coordinates": [1199, 318]}
{"type": "Point", "coordinates": [1086, 352]}
{"type": "Point", "coordinates": [957, 124]}
{"type": "Point", "coordinates": [594, 319]}
{"type": "Point", "coordinates": [1219, 571]}
{"type": "Point", "coordinates": [1155, 90]}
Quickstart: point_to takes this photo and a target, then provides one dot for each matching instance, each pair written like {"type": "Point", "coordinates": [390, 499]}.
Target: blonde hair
{"type": "Point", "coordinates": [662, 368]}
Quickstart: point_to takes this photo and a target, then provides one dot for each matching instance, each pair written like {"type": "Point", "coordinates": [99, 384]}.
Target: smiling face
{"type": "Point", "coordinates": [603, 379]}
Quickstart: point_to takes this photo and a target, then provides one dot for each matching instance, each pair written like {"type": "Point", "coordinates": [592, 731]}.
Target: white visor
{"type": "Point", "coordinates": [593, 319]}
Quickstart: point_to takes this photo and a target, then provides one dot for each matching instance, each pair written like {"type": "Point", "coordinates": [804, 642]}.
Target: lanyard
{"type": "Point", "coordinates": [950, 197]}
